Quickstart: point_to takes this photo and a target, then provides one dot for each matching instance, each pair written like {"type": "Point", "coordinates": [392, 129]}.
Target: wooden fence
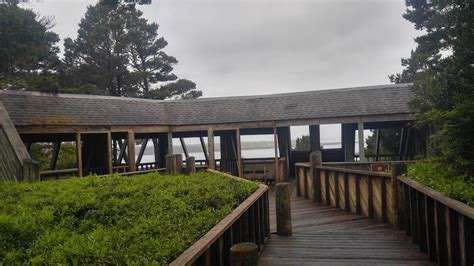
{"type": "Point", "coordinates": [441, 226]}
{"type": "Point", "coordinates": [249, 222]}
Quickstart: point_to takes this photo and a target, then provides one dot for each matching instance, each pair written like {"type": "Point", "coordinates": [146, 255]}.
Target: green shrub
{"type": "Point", "coordinates": [116, 220]}
{"type": "Point", "coordinates": [443, 179]}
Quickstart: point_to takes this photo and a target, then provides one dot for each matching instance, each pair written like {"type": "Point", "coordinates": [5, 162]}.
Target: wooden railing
{"type": "Point", "coordinates": [57, 174]}
{"type": "Point", "coordinates": [441, 226]}
{"type": "Point", "coordinates": [249, 222]}
{"type": "Point", "coordinates": [361, 192]}
{"type": "Point", "coordinates": [264, 169]}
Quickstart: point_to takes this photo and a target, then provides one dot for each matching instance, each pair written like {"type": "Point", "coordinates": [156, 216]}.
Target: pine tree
{"type": "Point", "coordinates": [118, 52]}
{"type": "Point", "coordinates": [442, 70]}
{"type": "Point", "coordinates": [28, 49]}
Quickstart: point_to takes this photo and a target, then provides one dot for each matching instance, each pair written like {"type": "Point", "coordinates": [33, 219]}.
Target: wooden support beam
{"type": "Point", "coordinates": [360, 127]}
{"type": "Point", "coordinates": [109, 153]}
{"type": "Point", "coordinates": [239, 154]}
{"type": "Point", "coordinates": [131, 151]}
{"type": "Point", "coordinates": [55, 155]}
{"type": "Point", "coordinates": [348, 141]}
{"type": "Point", "coordinates": [183, 145]}
{"type": "Point", "coordinates": [79, 154]}
{"type": "Point", "coordinates": [170, 143]}
{"type": "Point", "coordinates": [204, 149]}
{"type": "Point", "coordinates": [210, 145]}
{"type": "Point", "coordinates": [156, 152]}
{"type": "Point", "coordinates": [275, 144]}
{"type": "Point", "coordinates": [142, 150]}
{"type": "Point", "coordinates": [314, 138]}
{"type": "Point", "coordinates": [377, 144]}
{"type": "Point", "coordinates": [123, 152]}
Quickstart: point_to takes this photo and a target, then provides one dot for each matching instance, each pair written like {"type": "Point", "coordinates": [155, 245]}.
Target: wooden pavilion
{"type": "Point", "coordinates": [105, 129]}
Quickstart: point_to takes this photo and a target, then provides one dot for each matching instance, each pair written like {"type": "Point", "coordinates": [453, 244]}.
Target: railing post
{"type": "Point", "coordinates": [315, 160]}
{"type": "Point", "coordinates": [398, 204]}
{"type": "Point", "coordinates": [31, 170]}
{"type": "Point", "coordinates": [245, 253]}
{"type": "Point", "coordinates": [174, 164]}
{"type": "Point", "coordinates": [190, 165]}
{"type": "Point", "coordinates": [283, 209]}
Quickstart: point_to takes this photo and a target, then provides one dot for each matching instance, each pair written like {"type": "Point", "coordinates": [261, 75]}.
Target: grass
{"type": "Point", "coordinates": [441, 178]}
{"type": "Point", "coordinates": [113, 220]}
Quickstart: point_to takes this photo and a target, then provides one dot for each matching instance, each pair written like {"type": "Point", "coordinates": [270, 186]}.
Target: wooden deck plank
{"type": "Point", "coordinates": [329, 236]}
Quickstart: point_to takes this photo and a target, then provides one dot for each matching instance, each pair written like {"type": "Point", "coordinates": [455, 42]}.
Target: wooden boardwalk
{"type": "Point", "coordinates": [327, 236]}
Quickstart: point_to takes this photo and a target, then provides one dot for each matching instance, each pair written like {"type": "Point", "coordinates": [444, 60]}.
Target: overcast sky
{"type": "Point", "coordinates": [244, 47]}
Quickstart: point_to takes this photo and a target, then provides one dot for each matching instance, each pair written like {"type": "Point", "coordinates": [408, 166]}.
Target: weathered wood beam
{"type": "Point", "coordinates": [210, 144]}
{"type": "Point", "coordinates": [123, 152]}
{"type": "Point", "coordinates": [79, 154]}
{"type": "Point", "coordinates": [156, 152]}
{"type": "Point", "coordinates": [314, 138]}
{"type": "Point", "coordinates": [239, 154]}
{"type": "Point", "coordinates": [109, 153]}
{"type": "Point", "coordinates": [377, 144]}
{"type": "Point", "coordinates": [142, 150]}
{"type": "Point", "coordinates": [55, 155]}
{"type": "Point", "coordinates": [360, 128]}
{"type": "Point", "coordinates": [275, 144]}
{"type": "Point", "coordinates": [131, 151]}
{"type": "Point", "coordinates": [169, 137]}
{"type": "Point", "coordinates": [204, 148]}
{"type": "Point", "coordinates": [183, 145]}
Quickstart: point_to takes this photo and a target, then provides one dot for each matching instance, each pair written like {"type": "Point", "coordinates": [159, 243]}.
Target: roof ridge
{"type": "Point", "coordinates": [94, 96]}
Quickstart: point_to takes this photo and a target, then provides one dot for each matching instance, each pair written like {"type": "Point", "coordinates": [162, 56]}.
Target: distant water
{"type": "Point", "coordinates": [248, 153]}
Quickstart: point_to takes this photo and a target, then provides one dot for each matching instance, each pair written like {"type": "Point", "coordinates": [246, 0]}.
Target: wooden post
{"type": "Point", "coordinates": [239, 154]}
{"type": "Point", "coordinates": [398, 204]}
{"type": "Point", "coordinates": [348, 133]}
{"type": "Point", "coordinates": [315, 159]}
{"type": "Point", "coordinates": [79, 154]}
{"type": "Point", "coordinates": [169, 137]}
{"type": "Point", "coordinates": [31, 170]}
{"type": "Point", "coordinates": [55, 154]}
{"type": "Point", "coordinates": [275, 144]}
{"type": "Point", "coordinates": [132, 167]}
{"type": "Point", "coordinates": [183, 146]}
{"type": "Point", "coordinates": [190, 165]}
{"type": "Point", "coordinates": [314, 138]}
{"type": "Point", "coordinates": [210, 144]}
{"type": "Point", "coordinates": [283, 209]}
{"type": "Point", "coordinates": [109, 153]}
{"type": "Point", "coordinates": [244, 254]}
{"type": "Point", "coordinates": [360, 127]}
{"type": "Point", "coordinates": [174, 164]}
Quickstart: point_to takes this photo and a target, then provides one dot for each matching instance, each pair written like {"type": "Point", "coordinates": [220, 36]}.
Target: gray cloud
{"type": "Point", "coordinates": [237, 47]}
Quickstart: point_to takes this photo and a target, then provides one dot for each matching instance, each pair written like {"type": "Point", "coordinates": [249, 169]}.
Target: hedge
{"type": "Point", "coordinates": [440, 177]}
{"type": "Point", "coordinates": [113, 220]}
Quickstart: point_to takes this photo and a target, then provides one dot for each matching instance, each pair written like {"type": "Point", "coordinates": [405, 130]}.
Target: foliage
{"type": "Point", "coordinates": [114, 220]}
{"type": "Point", "coordinates": [442, 71]}
{"type": "Point", "coordinates": [303, 143]}
{"type": "Point", "coordinates": [443, 179]}
{"type": "Point", "coordinates": [42, 152]}
{"type": "Point", "coordinates": [28, 50]}
{"type": "Point", "coordinates": [389, 139]}
{"type": "Point", "coordinates": [118, 52]}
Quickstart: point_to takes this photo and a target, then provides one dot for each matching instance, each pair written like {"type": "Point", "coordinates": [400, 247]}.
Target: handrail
{"type": "Point", "coordinates": [448, 202]}
{"type": "Point", "coordinates": [236, 227]}
{"type": "Point", "coordinates": [441, 226]}
{"type": "Point", "coordinates": [345, 170]}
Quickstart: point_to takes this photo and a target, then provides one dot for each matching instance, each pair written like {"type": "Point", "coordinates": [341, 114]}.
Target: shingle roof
{"type": "Point", "coordinates": [35, 109]}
